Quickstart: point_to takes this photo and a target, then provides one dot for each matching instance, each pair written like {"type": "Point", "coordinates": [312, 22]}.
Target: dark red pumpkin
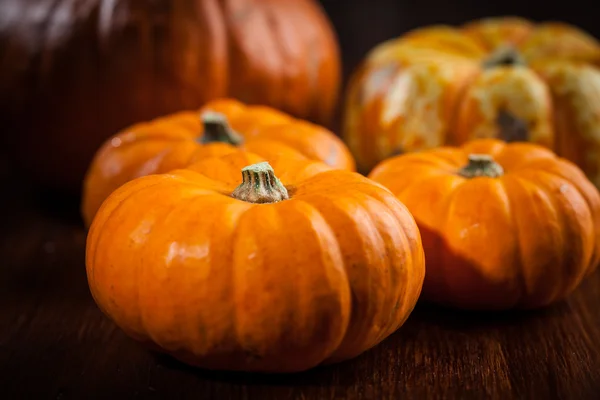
{"type": "Point", "coordinates": [73, 73]}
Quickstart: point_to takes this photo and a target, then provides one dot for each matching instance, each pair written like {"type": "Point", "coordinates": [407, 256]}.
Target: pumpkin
{"type": "Point", "coordinates": [177, 140]}
{"type": "Point", "coordinates": [503, 78]}
{"type": "Point", "coordinates": [73, 74]}
{"type": "Point", "coordinates": [503, 225]}
{"type": "Point", "coordinates": [235, 263]}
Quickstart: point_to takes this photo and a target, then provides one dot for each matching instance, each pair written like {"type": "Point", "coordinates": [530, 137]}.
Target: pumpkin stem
{"type": "Point", "coordinates": [481, 165]}
{"type": "Point", "coordinates": [504, 56]}
{"type": "Point", "coordinates": [511, 128]}
{"type": "Point", "coordinates": [260, 185]}
{"type": "Point", "coordinates": [217, 129]}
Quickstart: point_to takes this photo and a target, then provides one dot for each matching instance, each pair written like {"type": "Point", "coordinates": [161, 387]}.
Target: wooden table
{"type": "Point", "coordinates": [55, 343]}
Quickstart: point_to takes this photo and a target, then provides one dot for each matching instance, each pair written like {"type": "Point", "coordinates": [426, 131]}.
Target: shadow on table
{"type": "Point", "coordinates": [317, 376]}
{"type": "Point", "coordinates": [56, 205]}
{"type": "Point", "coordinates": [26, 199]}
{"type": "Point", "coordinates": [426, 322]}
{"type": "Point", "coordinates": [463, 320]}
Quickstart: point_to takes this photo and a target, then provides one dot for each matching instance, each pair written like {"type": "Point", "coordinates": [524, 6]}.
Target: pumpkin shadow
{"type": "Point", "coordinates": [425, 317]}
{"type": "Point", "coordinates": [31, 197]}
{"type": "Point", "coordinates": [428, 314]}
{"type": "Point", "coordinates": [318, 376]}
{"type": "Point", "coordinates": [56, 204]}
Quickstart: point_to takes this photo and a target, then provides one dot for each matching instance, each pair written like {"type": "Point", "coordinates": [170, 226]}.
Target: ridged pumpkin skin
{"type": "Point", "coordinates": [174, 141]}
{"type": "Point", "coordinates": [502, 78]}
{"type": "Point", "coordinates": [72, 73]}
{"type": "Point", "coordinates": [221, 283]}
{"type": "Point", "coordinates": [523, 239]}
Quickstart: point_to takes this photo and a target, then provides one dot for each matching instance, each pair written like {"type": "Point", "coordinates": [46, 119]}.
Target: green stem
{"type": "Point", "coordinates": [217, 129]}
{"type": "Point", "coordinates": [260, 185]}
{"type": "Point", "coordinates": [481, 165]}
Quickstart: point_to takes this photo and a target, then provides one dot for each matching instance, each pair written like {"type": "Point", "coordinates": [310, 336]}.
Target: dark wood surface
{"type": "Point", "coordinates": [55, 343]}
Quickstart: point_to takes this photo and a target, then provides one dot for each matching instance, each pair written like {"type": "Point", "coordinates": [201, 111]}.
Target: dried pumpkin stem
{"type": "Point", "coordinates": [217, 129]}
{"type": "Point", "coordinates": [481, 165]}
{"type": "Point", "coordinates": [260, 185]}
{"type": "Point", "coordinates": [504, 56]}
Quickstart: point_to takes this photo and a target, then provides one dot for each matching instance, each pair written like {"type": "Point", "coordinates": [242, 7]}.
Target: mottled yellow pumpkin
{"type": "Point", "coordinates": [503, 78]}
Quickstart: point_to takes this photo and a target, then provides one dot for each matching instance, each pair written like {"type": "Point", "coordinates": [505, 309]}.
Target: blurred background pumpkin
{"type": "Point", "coordinates": [507, 78]}
{"type": "Point", "coordinates": [74, 72]}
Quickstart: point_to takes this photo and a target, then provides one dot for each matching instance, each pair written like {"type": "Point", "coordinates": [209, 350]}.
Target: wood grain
{"type": "Point", "coordinates": [55, 343]}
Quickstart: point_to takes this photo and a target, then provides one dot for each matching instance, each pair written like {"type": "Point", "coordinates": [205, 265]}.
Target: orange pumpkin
{"type": "Point", "coordinates": [73, 73]}
{"type": "Point", "coordinates": [177, 140]}
{"type": "Point", "coordinates": [500, 78]}
{"type": "Point", "coordinates": [226, 266]}
{"type": "Point", "coordinates": [503, 225]}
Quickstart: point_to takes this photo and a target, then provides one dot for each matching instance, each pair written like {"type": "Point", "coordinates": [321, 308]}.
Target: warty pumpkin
{"type": "Point", "coordinates": [73, 73]}
{"type": "Point", "coordinates": [177, 140]}
{"type": "Point", "coordinates": [225, 265]}
{"type": "Point", "coordinates": [504, 78]}
{"type": "Point", "coordinates": [503, 225]}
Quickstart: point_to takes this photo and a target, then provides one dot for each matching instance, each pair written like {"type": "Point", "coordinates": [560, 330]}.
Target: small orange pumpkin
{"type": "Point", "coordinates": [503, 225]}
{"type": "Point", "coordinates": [274, 274]}
{"type": "Point", "coordinates": [177, 140]}
{"type": "Point", "coordinates": [504, 78]}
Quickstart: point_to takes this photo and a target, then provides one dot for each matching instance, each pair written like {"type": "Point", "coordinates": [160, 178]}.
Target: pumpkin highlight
{"type": "Point", "coordinates": [297, 265]}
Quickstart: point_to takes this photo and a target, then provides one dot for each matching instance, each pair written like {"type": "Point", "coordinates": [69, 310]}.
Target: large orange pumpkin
{"type": "Point", "coordinates": [221, 126]}
{"type": "Point", "coordinates": [503, 225]}
{"type": "Point", "coordinates": [226, 266]}
{"type": "Point", "coordinates": [72, 73]}
{"type": "Point", "coordinates": [502, 77]}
